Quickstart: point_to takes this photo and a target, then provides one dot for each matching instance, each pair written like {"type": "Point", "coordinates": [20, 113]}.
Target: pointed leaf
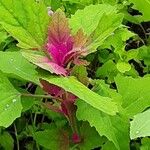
{"type": "Point", "coordinates": [43, 62]}
{"type": "Point", "coordinates": [70, 84]}
{"type": "Point", "coordinates": [59, 39]}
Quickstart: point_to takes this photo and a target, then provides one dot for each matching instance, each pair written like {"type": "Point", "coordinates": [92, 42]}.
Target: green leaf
{"type": "Point", "coordinates": [123, 66]}
{"type": "Point", "coordinates": [52, 139]}
{"type": "Point", "coordinates": [25, 20]}
{"type": "Point", "coordinates": [82, 2]}
{"type": "Point", "coordinates": [106, 27]}
{"type": "Point", "coordinates": [108, 145]}
{"type": "Point", "coordinates": [145, 144]}
{"type": "Point", "coordinates": [108, 69]}
{"type": "Point", "coordinates": [70, 84]}
{"type": "Point", "coordinates": [13, 63]}
{"type": "Point", "coordinates": [10, 103]}
{"type": "Point", "coordinates": [114, 128]}
{"type": "Point", "coordinates": [88, 18]}
{"type": "Point", "coordinates": [140, 126]}
{"type": "Point", "coordinates": [6, 141]}
{"type": "Point", "coordinates": [143, 6]}
{"type": "Point", "coordinates": [91, 138]}
{"type": "Point", "coordinates": [135, 93]}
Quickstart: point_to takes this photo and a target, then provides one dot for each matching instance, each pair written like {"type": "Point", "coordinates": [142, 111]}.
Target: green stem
{"type": "Point", "coordinates": [17, 140]}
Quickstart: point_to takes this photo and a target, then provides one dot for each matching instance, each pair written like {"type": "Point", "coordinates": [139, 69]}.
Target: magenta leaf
{"type": "Point", "coordinates": [44, 62]}
{"type": "Point", "coordinates": [60, 41]}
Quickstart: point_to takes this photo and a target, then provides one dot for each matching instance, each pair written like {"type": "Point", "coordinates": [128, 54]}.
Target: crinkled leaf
{"type": "Point", "coordinates": [135, 93]}
{"type": "Point", "coordinates": [43, 62]}
{"type": "Point", "coordinates": [140, 126]}
{"type": "Point", "coordinates": [70, 84]}
{"type": "Point", "coordinates": [25, 20]}
{"type": "Point", "coordinates": [10, 103]}
{"type": "Point", "coordinates": [13, 63]}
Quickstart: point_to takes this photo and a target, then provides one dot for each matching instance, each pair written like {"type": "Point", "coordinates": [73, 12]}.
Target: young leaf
{"type": "Point", "coordinates": [135, 93]}
{"type": "Point", "coordinates": [25, 20]}
{"type": "Point", "coordinates": [10, 103]}
{"type": "Point", "coordinates": [114, 128]}
{"type": "Point", "coordinates": [14, 64]}
{"type": "Point", "coordinates": [43, 62]}
{"type": "Point", "coordinates": [70, 84]}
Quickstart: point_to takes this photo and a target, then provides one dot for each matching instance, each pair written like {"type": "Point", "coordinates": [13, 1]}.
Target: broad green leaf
{"type": "Point", "coordinates": [106, 27]}
{"type": "Point", "coordinates": [88, 18]}
{"type": "Point", "coordinates": [135, 93]}
{"type": "Point", "coordinates": [114, 128]}
{"type": "Point", "coordinates": [13, 63]}
{"type": "Point", "coordinates": [108, 70]}
{"type": "Point", "coordinates": [6, 141]}
{"type": "Point", "coordinates": [140, 126]}
{"type": "Point", "coordinates": [91, 138]}
{"type": "Point", "coordinates": [52, 139]}
{"type": "Point", "coordinates": [123, 66]}
{"type": "Point", "coordinates": [25, 20]}
{"type": "Point", "coordinates": [70, 84]}
{"type": "Point", "coordinates": [108, 145]}
{"type": "Point", "coordinates": [145, 144]}
{"type": "Point", "coordinates": [118, 39]}
{"type": "Point", "coordinates": [143, 6]}
{"type": "Point", "coordinates": [10, 103]}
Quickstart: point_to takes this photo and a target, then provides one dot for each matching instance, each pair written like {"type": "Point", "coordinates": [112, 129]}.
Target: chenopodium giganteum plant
{"type": "Point", "coordinates": [61, 52]}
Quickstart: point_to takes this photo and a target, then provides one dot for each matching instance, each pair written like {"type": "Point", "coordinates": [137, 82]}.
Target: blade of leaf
{"type": "Point", "coordinates": [140, 126]}
{"type": "Point", "coordinates": [114, 128]}
{"type": "Point", "coordinates": [25, 20]}
{"type": "Point", "coordinates": [70, 84]}
{"type": "Point", "coordinates": [43, 62]}
{"type": "Point", "coordinates": [135, 93]}
{"type": "Point", "coordinates": [14, 64]}
{"type": "Point", "coordinates": [10, 103]}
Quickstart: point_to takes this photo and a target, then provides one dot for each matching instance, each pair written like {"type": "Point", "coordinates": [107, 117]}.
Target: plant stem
{"type": "Point", "coordinates": [16, 134]}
